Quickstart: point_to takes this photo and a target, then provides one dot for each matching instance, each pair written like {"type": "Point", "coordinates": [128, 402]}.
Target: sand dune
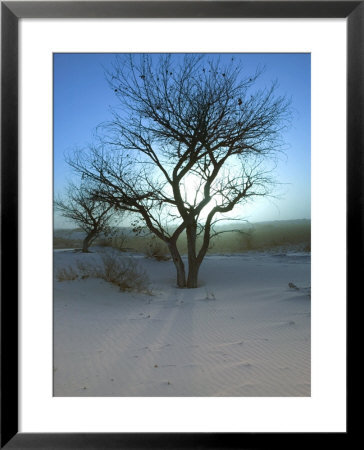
{"type": "Point", "coordinates": [243, 332]}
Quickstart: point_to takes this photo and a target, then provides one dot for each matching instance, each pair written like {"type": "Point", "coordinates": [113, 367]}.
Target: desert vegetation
{"type": "Point", "coordinates": [92, 216]}
{"type": "Point", "coordinates": [264, 236]}
{"type": "Point", "coordinates": [125, 273]}
{"type": "Point", "coordinates": [192, 139]}
{"type": "Point", "coordinates": [160, 201]}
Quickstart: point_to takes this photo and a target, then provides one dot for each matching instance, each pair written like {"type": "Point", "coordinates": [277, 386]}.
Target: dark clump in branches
{"type": "Point", "coordinates": [190, 141]}
{"type": "Point", "coordinates": [89, 214]}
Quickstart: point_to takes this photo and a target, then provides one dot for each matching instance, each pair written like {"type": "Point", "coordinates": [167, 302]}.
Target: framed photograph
{"type": "Point", "coordinates": [167, 169]}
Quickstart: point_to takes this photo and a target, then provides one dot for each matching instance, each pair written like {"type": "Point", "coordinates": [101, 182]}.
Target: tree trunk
{"type": "Point", "coordinates": [193, 264]}
{"type": "Point", "coordinates": [87, 242]}
{"type": "Point", "coordinates": [193, 268]}
{"type": "Point", "coordinates": [180, 267]}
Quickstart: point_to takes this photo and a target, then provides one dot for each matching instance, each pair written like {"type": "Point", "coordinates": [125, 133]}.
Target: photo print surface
{"type": "Point", "coordinates": [182, 231]}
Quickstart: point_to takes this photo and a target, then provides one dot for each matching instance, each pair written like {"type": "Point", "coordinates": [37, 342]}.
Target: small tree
{"type": "Point", "coordinates": [189, 143]}
{"type": "Point", "coordinates": [91, 215]}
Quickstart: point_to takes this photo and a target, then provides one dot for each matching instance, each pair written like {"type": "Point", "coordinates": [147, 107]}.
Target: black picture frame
{"type": "Point", "coordinates": [11, 12]}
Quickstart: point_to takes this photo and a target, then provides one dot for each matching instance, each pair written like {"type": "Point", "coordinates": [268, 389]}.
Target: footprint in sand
{"type": "Point", "coordinates": [245, 365]}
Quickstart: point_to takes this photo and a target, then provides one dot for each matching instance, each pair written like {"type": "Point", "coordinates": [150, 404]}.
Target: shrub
{"type": "Point", "coordinates": [157, 250]}
{"type": "Point", "coordinates": [66, 274]}
{"type": "Point", "coordinates": [124, 273]}
{"type": "Point", "coordinates": [86, 270]}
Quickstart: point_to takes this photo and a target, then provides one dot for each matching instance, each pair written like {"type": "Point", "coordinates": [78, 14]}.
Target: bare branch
{"type": "Point", "coordinates": [192, 138]}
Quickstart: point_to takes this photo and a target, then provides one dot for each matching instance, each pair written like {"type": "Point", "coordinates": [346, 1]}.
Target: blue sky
{"type": "Point", "coordinates": [83, 99]}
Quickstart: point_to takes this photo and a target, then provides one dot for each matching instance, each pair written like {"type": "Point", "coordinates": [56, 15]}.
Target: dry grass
{"type": "Point", "coordinates": [64, 242]}
{"type": "Point", "coordinates": [116, 240]}
{"type": "Point", "coordinates": [66, 274]}
{"type": "Point", "coordinates": [157, 250]}
{"type": "Point", "coordinates": [122, 272]}
{"type": "Point", "coordinates": [258, 236]}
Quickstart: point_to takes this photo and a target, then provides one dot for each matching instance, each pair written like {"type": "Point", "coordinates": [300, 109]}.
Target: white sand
{"type": "Point", "coordinates": [244, 332]}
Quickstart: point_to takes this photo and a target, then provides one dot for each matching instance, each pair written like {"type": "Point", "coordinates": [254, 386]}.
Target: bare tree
{"type": "Point", "coordinates": [91, 215]}
{"type": "Point", "coordinates": [190, 141]}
